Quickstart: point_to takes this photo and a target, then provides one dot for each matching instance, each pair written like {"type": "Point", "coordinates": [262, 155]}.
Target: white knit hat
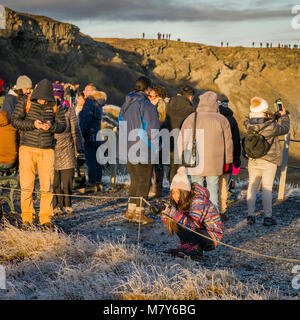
{"type": "Point", "coordinates": [23, 82]}
{"type": "Point", "coordinates": [181, 180]}
{"type": "Point", "coordinates": [258, 105]}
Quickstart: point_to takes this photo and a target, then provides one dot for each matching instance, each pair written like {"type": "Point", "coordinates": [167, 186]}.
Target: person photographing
{"type": "Point", "coordinates": [191, 208]}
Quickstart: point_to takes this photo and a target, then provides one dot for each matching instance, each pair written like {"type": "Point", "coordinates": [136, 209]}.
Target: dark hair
{"type": "Point", "coordinates": [187, 91]}
{"type": "Point", "coordinates": [142, 84]}
{"type": "Point", "coordinates": [184, 204]}
{"type": "Point", "coordinates": [19, 93]}
{"type": "Point", "coordinates": [160, 91]}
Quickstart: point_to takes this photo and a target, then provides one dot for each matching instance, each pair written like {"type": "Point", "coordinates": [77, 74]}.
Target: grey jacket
{"type": "Point", "coordinates": [69, 143]}
{"type": "Point", "coordinates": [272, 131]}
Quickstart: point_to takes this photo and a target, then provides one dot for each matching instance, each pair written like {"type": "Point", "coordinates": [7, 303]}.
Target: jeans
{"type": "Point", "coordinates": [94, 168]}
{"type": "Point", "coordinates": [212, 186]}
{"type": "Point", "coordinates": [223, 192]}
{"type": "Point", "coordinates": [260, 171]}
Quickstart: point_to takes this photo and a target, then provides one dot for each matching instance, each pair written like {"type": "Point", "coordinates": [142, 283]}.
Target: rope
{"type": "Point", "coordinates": [169, 217]}
{"type": "Point", "coordinates": [232, 247]}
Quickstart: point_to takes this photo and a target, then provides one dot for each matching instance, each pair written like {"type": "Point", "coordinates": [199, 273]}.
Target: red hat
{"type": "Point", "coordinates": [1, 84]}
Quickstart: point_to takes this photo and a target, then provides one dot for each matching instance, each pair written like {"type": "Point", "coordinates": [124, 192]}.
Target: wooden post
{"type": "Point", "coordinates": [284, 167]}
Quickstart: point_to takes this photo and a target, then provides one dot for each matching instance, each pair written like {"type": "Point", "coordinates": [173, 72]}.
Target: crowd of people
{"type": "Point", "coordinates": [51, 130]}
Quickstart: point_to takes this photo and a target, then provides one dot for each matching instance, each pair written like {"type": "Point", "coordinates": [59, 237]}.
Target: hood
{"type": "Point", "coordinates": [4, 118]}
{"type": "Point", "coordinates": [208, 102]}
{"type": "Point", "coordinates": [225, 111]}
{"type": "Point", "coordinates": [12, 92]}
{"type": "Point", "coordinates": [132, 97]}
{"type": "Point", "coordinates": [200, 192]}
{"type": "Point", "coordinates": [177, 102]}
{"type": "Point", "coordinates": [43, 91]}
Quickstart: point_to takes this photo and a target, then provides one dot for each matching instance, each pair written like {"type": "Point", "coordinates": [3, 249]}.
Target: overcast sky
{"type": "Point", "coordinates": [204, 21]}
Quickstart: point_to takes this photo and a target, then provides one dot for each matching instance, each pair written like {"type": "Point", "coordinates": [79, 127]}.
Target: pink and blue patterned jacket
{"type": "Point", "coordinates": [202, 211]}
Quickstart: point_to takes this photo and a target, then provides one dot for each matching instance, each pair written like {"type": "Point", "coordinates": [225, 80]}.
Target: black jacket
{"type": "Point", "coordinates": [177, 110]}
{"type": "Point", "coordinates": [30, 136]}
{"type": "Point", "coordinates": [228, 113]}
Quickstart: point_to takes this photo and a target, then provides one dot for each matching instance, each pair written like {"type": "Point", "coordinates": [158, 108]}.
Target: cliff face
{"type": "Point", "coordinates": [42, 47]}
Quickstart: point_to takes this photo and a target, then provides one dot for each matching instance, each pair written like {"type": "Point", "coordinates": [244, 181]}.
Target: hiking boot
{"type": "Point", "coordinates": [224, 216]}
{"type": "Point", "coordinates": [129, 215]}
{"type": "Point", "coordinates": [193, 252]}
{"type": "Point", "coordinates": [90, 188]}
{"type": "Point", "coordinates": [48, 226]}
{"type": "Point", "coordinates": [141, 218]}
{"type": "Point", "coordinates": [69, 210]}
{"type": "Point", "coordinates": [250, 220]}
{"type": "Point", "coordinates": [181, 248]}
{"type": "Point", "coordinates": [99, 187]}
{"type": "Point", "coordinates": [269, 222]}
{"type": "Point", "coordinates": [58, 211]}
{"type": "Point", "coordinates": [27, 226]}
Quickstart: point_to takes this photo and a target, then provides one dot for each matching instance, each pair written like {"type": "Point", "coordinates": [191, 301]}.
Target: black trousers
{"type": "Point", "coordinates": [63, 184]}
{"type": "Point", "coordinates": [140, 181]}
{"type": "Point", "coordinates": [186, 236]}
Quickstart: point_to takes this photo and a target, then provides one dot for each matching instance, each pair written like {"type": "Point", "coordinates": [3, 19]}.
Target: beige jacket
{"type": "Point", "coordinates": [216, 148]}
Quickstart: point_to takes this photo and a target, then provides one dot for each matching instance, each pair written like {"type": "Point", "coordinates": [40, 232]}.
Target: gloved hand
{"type": "Point", "coordinates": [237, 162]}
{"type": "Point", "coordinates": [80, 159]}
{"type": "Point", "coordinates": [227, 168]}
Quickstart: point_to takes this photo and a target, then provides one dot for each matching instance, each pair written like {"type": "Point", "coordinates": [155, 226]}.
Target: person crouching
{"type": "Point", "coordinates": [191, 208]}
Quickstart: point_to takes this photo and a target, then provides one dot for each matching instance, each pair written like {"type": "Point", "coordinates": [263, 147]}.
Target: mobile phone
{"type": "Point", "coordinates": [279, 104]}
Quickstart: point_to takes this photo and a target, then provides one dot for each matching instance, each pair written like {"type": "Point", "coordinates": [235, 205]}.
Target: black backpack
{"type": "Point", "coordinates": [255, 145]}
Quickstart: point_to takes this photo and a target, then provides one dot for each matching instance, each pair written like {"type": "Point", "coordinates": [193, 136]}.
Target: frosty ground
{"type": "Point", "coordinates": [97, 255]}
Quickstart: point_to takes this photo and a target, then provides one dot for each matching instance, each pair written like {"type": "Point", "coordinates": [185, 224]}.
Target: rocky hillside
{"type": "Point", "coordinates": [42, 47]}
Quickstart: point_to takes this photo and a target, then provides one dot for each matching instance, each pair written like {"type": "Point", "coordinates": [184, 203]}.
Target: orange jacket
{"type": "Point", "coordinates": [8, 141]}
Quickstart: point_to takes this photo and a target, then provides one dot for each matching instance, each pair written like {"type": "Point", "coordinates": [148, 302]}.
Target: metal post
{"type": "Point", "coordinates": [284, 167]}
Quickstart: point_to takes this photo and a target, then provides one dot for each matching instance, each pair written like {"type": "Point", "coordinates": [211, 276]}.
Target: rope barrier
{"type": "Point", "coordinates": [169, 217]}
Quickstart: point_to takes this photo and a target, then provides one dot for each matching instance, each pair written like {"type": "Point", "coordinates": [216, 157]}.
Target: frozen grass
{"type": "Point", "coordinates": [53, 265]}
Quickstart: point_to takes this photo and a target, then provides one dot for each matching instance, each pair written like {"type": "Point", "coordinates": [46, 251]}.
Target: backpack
{"type": "Point", "coordinates": [255, 145]}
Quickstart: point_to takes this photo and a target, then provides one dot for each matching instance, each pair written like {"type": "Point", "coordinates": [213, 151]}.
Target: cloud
{"type": "Point", "coordinates": [145, 10]}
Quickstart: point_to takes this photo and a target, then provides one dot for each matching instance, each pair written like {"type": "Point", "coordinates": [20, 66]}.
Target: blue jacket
{"type": "Point", "coordinates": [90, 119]}
{"type": "Point", "coordinates": [142, 115]}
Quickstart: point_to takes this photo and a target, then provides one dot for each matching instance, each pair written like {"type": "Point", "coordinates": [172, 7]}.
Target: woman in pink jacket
{"type": "Point", "coordinates": [191, 208]}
